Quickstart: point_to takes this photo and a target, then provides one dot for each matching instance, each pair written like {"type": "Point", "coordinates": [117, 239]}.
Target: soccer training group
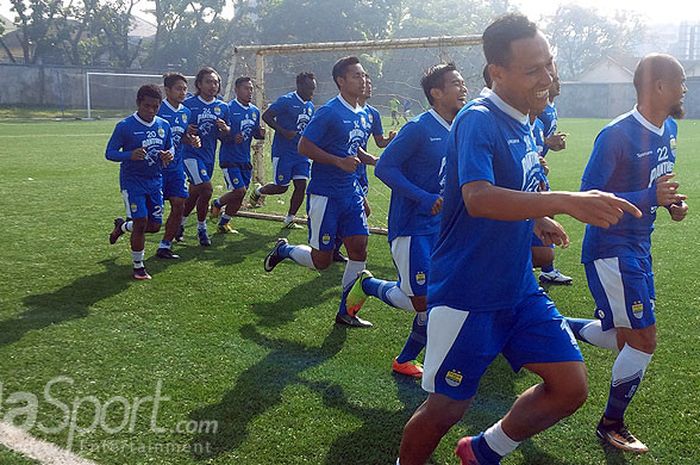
{"type": "Point", "coordinates": [469, 193]}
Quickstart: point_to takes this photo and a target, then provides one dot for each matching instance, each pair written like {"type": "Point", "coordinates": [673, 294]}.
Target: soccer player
{"type": "Point", "coordinates": [288, 116]}
{"type": "Point", "coordinates": [234, 155]}
{"type": "Point", "coordinates": [482, 296]}
{"type": "Point", "coordinates": [410, 166]}
{"type": "Point", "coordinates": [210, 121]}
{"type": "Point", "coordinates": [633, 157]}
{"type": "Point", "coordinates": [553, 140]}
{"type": "Point", "coordinates": [334, 205]}
{"type": "Point", "coordinates": [142, 143]}
{"type": "Point", "coordinates": [174, 181]}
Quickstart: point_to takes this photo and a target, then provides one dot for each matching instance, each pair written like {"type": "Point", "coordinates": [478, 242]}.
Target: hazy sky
{"type": "Point", "coordinates": [672, 11]}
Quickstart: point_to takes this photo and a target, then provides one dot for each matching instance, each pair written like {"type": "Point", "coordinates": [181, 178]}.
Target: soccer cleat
{"type": "Point", "coordinates": [338, 257]}
{"type": "Point", "coordinates": [465, 451]}
{"type": "Point", "coordinates": [617, 435]}
{"type": "Point", "coordinates": [256, 200]}
{"type": "Point", "coordinates": [554, 277]}
{"type": "Point", "coordinates": [355, 297]}
{"type": "Point", "coordinates": [226, 229]}
{"type": "Point", "coordinates": [273, 258]}
{"type": "Point", "coordinates": [410, 368]}
{"type": "Point", "coordinates": [214, 211]}
{"type": "Point", "coordinates": [140, 274]}
{"type": "Point", "coordinates": [166, 254]}
{"type": "Point", "coordinates": [353, 321]}
{"type": "Point", "coordinates": [117, 231]}
{"type": "Point", "coordinates": [291, 225]}
{"type": "Point", "coordinates": [180, 235]}
{"type": "Point", "coordinates": [204, 240]}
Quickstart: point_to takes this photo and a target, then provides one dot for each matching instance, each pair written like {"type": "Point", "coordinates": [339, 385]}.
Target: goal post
{"type": "Point", "coordinates": [395, 65]}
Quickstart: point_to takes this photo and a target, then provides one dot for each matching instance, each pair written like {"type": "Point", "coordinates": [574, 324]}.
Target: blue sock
{"type": "Point", "coordinates": [620, 397]}
{"type": "Point", "coordinates": [285, 250]}
{"type": "Point", "coordinates": [576, 325]}
{"type": "Point", "coordinates": [547, 268]}
{"type": "Point", "coordinates": [224, 219]}
{"type": "Point", "coordinates": [415, 342]}
{"type": "Point", "coordinates": [627, 372]}
{"type": "Point", "coordinates": [216, 203]}
{"type": "Point", "coordinates": [379, 289]}
{"type": "Point", "coordinates": [165, 244]}
{"type": "Point", "coordinates": [484, 454]}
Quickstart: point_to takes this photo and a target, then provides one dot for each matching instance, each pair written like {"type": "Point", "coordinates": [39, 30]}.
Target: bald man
{"type": "Point", "coordinates": [633, 157]}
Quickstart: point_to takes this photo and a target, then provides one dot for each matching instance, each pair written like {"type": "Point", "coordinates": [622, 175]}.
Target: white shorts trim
{"type": "Point", "coordinates": [610, 277]}
{"type": "Point", "coordinates": [317, 210]}
{"type": "Point", "coordinates": [193, 170]}
{"type": "Point", "coordinates": [127, 204]}
{"type": "Point", "coordinates": [299, 176]}
{"type": "Point", "coordinates": [444, 325]}
{"type": "Point", "coordinates": [401, 253]}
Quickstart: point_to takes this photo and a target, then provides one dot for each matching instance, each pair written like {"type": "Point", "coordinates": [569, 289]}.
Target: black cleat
{"type": "Point", "coordinates": [166, 254]}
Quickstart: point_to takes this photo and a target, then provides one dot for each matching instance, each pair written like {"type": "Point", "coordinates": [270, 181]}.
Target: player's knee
{"type": "Point", "coordinates": [572, 394]}
{"type": "Point", "coordinates": [420, 303]}
{"type": "Point", "coordinates": [643, 340]}
{"type": "Point", "coordinates": [152, 227]}
{"type": "Point", "coordinates": [206, 189]}
{"type": "Point", "coordinates": [239, 193]}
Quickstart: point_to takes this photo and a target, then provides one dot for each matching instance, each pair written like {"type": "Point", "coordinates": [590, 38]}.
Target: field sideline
{"type": "Point", "coordinates": [257, 352]}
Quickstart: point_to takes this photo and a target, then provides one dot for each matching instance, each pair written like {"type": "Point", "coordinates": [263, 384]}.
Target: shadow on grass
{"type": "Point", "coordinates": [67, 303]}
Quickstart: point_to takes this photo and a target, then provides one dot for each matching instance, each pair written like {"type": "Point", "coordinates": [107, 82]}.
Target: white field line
{"type": "Point", "coordinates": [44, 452]}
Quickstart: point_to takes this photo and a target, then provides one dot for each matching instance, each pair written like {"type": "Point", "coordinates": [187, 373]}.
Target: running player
{"type": "Point", "coordinates": [491, 206]}
{"type": "Point", "coordinates": [288, 116]}
{"type": "Point", "coordinates": [142, 144]}
{"type": "Point", "coordinates": [234, 156]}
{"type": "Point", "coordinates": [633, 157]}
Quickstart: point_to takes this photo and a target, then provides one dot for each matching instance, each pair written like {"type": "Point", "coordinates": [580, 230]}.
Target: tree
{"type": "Point", "coordinates": [581, 36]}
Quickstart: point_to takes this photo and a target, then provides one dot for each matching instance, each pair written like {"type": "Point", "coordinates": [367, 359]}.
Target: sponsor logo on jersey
{"type": "Point", "coordinates": [600, 313]}
{"type": "Point", "coordinates": [453, 378]}
{"type": "Point", "coordinates": [435, 139]}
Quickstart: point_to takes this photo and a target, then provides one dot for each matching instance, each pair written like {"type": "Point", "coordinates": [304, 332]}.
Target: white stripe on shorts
{"type": "Point", "coordinates": [317, 210]}
{"type": "Point", "coordinates": [401, 253]}
{"type": "Point", "coordinates": [444, 325]}
{"type": "Point", "coordinates": [275, 165]}
{"type": "Point", "coordinates": [227, 179]}
{"type": "Point", "coordinates": [193, 170]}
{"type": "Point", "coordinates": [608, 270]}
{"type": "Point", "coordinates": [127, 205]}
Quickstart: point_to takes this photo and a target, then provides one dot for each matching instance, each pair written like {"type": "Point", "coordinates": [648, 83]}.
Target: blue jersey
{"type": "Point", "coordinates": [292, 114]}
{"type": "Point", "coordinates": [410, 166]}
{"type": "Point", "coordinates": [549, 118]}
{"type": "Point", "coordinates": [372, 127]}
{"type": "Point", "coordinates": [338, 128]}
{"type": "Point", "coordinates": [131, 133]}
{"type": "Point", "coordinates": [244, 120]}
{"type": "Point", "coordinates": [628, 156]}
{"type": "Point", "coordinates": [179, 119]}
{"type": "Point", "coordinates": [204, 115]}
{"type": "Point", "coordinates": [537, 128]}
{"type": "Point", "coordinates": [481, 264]}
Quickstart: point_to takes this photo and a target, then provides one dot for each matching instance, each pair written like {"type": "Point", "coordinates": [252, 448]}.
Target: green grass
{"type": "Point", "coordinates": [10, 457]}
{"type": "Point", "coordinates": [258, 352]}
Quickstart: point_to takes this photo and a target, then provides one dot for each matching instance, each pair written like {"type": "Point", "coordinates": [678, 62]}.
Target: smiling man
{"type": "Point", "coordinates": [491, 207]}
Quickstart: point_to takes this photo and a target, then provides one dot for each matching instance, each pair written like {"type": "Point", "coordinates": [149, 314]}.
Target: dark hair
{"type": "Point", "coordinates": [488, 82]}
{"type": "Point", "coordinates": [341, 66]}
{"type": "Point", "coordinates": [434, 78]}
{"type": "Point", "coordinates": [304, 77]}
{"type": "Point", "coordinates": [148, 90]}
{"type": "Point", "coordinates": [200, 76]}
{"type": "Point", "coordinates": [501, 33]}
{"type": "Point", "coordinates": [170, 79]}
{"type": "Point", "coordinates": [242, 80]}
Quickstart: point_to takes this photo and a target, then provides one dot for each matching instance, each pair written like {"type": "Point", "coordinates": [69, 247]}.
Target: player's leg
{"type": "Point", "coordinates": [281, 177]}
{"type": "Point", "coordinates": [237, 181]}
{"type": "Point", "coordinates": [300, 175]}
{"type": "Point", "coordinates": [172, 225]}
{"type": "Point", "coordinates": [543, 258]}
{"type": "Point", "coordinates": [122, 225]}
{"type": "Point", "coordinates": [140, 211]}
{"type": "Point", "coordinates": [199, 176]}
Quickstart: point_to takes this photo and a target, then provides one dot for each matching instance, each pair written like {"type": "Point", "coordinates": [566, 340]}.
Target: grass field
{"type": "Point", "coordinates": [223, 341]}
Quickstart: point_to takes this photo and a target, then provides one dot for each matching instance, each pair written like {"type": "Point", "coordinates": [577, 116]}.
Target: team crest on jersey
{"type": "Point", "coordinates": [280, 177]}
{"type": "Point", "coordinates": [203, 171]}
{"type": "Point", "coordinates": [453, 378]}
{"type": "Point", "coordinates": [161, 132]}
{"type": "Point", "coordinates": [217, 111]}
{"type": "Point", "coordinates": [326, 238]}
{"type": "Point", "coordinates": [370, 117]}
{"type": "Point", "coordinates": [420, 278]}
{"type": "Point", "coordinates": [184, 118]}
{"type": "Point", "coordinates": [638, 309]}
{"type": "Point", "coordinates": [133, 207]}
{"type": "Point", "coordinates": [600, 313]}
{"type": "Point", "coordinates": [235, 180]}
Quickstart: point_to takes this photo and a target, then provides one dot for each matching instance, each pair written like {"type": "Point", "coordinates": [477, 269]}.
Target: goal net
{"type": "Point", "coordinates": [395, 67]}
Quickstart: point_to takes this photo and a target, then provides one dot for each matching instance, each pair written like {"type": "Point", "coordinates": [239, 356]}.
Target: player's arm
{"type": "Point", "coordinates": [378, 132]}
{"type": "Point", "coordinates": [270, 118]}
{"type": "Point", "coordinates": [259, 131]}
{"type": "Point", "coordinates": [167, 155]}
{"type": "Point", "coordinates": [115, 147]}
{"type": "Point", "coordinates": [366, 157]}
{"type": "Point", "coordinates": [310, 150]}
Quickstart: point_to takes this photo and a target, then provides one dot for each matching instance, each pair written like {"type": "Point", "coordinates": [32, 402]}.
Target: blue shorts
{"type": "Point", "coordinates": [333, 217]}
{"type": "Point", "coordinates": [175, 184]}
{"type": "Point", "coordinates": [141, 205]}
{"type": "Point", "coordinates": [462, 344]}
{"type": "Point", "coordinates": [197, 171]}
{"type": "Point", "coordinates": [411, 255]}
{"type": "Point", "coordinates": [284, 169]}
{"type": "Point", "coordinates": [623, 290]}
{"type": "Point", "coordinates": [237, 178]}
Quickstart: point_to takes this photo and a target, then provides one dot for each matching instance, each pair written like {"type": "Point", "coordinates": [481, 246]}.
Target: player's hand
{"type": "Point", "coordinates": [678, 211]}
{"type": "Point", "coordinates": [192, 130]}
{"type": "Point", "coordinates": [391, 135]}
{"type": "Point", "coordinates": [556, 142]}
{"type": "Point", "coordinates": [545, 166]}
{"type": "Point", "coordinates": [138, 154]}
{"type": "Point", "coordinates": [222, 126]}
{"type": "Point", "coordinates": [261, 132]}
{"type": "Point", "coordinates": [348, 164]}
{"type": "Point", "coordinates": [551, 232]}
{"type": "Point", "coordinates": [437, 206]}
{"type": "Point", "coordinates": [598, 208]}
{"type": "Point", "coordinates": [166, 156]}
{"type": "Point", "coordinates": [193, 140]}
{"type": "Point", "coordinates": [368, 211]}
{"type": "Point", "coordinates": [239, 138]}
{"type": "Point", "coordinates": [667, 191]}
{"type": "Point", "coordinates": [288, 133]}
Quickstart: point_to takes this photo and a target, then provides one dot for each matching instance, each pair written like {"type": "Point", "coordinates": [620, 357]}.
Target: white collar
{"type": "Point", "coordinates": [507, 109]}
{"type": "Point", "coordinates": [646, 123]}
{"type": "Point", "coordinates": [354, 109]}
{"type": "Point", "coordinates": [485, 92]}
{"type": "Point", "coordinates": [300, 99]}
{"type": "Point", "coordinates": [138, 118]}
{"type": "Point", "coordinates": [180, 106]}
{"type": "Point", "coordinates": [440, 119]}
{"type": "Point", "coordinates": [204, 101]}
{"type": "Point", "coordinates": [241, 105]}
